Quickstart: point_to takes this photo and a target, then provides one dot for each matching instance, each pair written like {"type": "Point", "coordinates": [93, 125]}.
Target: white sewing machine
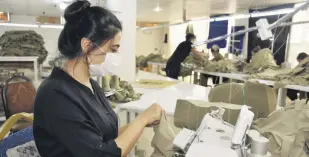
{"type": "Point", "coordinates": [215, 137]}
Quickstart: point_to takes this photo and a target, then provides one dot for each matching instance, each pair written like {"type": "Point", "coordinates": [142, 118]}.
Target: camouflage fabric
{"type": "Point", "coordinates": [127, 94]}
{"type": "Point", "coordinates": [190, 63]}
{"type": "Point", "coordinates": [225, 66]}
{"type": "Point", "coordinates": [142, 61]}
{"type": "Point", "coordinates": [297, 76]}
{"type": "Point", "coordinates": [23, 43]}
{"type": "Point", "coordinates": [261, 60]}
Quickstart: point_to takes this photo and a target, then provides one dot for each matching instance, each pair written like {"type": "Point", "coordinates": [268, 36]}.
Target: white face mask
{"type": "Point", "coordinates": [110, 66]}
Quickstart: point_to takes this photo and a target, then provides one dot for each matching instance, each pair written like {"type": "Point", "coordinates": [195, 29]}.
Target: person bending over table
{"type": "Point", "coordinates": [72, 116]}
{"type": "Point", "coordinates": [181, 53]}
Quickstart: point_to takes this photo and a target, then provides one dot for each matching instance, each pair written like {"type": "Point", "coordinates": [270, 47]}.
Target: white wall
{"type": "Point", "coordinates": [299, 41]}
{"type": "Point", "coordinates": [50, 36]}
{"type": "Point", "coordinates": [149, 40]}
{"type": "Point", "coordinates": [127, 15]}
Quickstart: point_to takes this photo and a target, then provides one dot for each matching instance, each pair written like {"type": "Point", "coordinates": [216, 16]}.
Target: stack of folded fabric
{"type": "Point", "coordinates": [23, 43]}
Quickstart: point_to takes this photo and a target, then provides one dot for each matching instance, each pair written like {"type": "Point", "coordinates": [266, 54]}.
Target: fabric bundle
{"type": "Point", "coordinates": [124, 91]}
{"type": "Point", "coordinates": [297, 76]}
{"type": "Point", "coordinates": [142, 61]}
{"type": "Point", "coordinates": [261, 60]}
{"type": "Point", "coordinates": [287, 130]}
{"type": "Point", "coordinates": [225, 66]}
{"type": "Point", "coordinates": [190, 63]}
{"type": "Point", "coordinates": [23, 43]}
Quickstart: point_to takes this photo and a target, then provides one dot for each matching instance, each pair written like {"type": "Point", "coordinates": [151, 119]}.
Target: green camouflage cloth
{"type": "Point", "coordinates": [23, 43]}
{"type": "Point", "coordinates": [126, 94]}
{"type": "Point", "coordinates": [260, 61]}
{"type": "Point", "coordinates": [297, 76]}
{"type": "Point", "coordinates": [142, 61]}
{"type": "Point", "coordinates": [190, 63]}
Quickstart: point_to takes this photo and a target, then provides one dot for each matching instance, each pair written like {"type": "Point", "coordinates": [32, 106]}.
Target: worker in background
{"type": "Point", "coordinates": [215, 51]}
{"type": "Point", "coordinates": [181, 53]}
{"type": "Point", "coordinates": [292, 94]}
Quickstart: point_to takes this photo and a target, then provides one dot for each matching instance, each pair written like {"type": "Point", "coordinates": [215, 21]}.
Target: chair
{"type": "Point", "coordinates": [18, 95]}
{"type": "Point", "coordinates": [15, 139]}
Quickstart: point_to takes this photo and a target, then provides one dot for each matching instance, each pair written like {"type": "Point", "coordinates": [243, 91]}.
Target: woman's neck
{"type": "Point", "coordinates": [78, 70]}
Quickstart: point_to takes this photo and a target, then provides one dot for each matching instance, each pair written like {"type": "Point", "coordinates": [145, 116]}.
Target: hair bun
{"type": "Point", "coordinates": [74, 12]}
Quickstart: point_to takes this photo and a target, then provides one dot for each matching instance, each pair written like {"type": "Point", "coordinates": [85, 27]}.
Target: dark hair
{"type": "Point", "coordinates": [302, 56]}
{"type": "Point", "coordinates": [190, 36]}
{"type": "Point", "coordinates": [83, 21]}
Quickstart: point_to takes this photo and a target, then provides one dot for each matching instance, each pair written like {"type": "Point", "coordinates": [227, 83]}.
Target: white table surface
{"type": "Point", "coordinates": [166, 97]}
{"type": "Point", "coordinates": [243, 77]}
{"type": "Point", "coordinates": [236, 76]}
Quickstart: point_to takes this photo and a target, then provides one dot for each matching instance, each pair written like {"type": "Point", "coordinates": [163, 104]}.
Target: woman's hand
{"type": "Point", "coordinates": [152, 115]}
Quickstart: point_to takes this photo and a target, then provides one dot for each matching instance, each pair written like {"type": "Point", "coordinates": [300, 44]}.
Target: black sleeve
{"type": "Point", "coordinates": [69, 125]}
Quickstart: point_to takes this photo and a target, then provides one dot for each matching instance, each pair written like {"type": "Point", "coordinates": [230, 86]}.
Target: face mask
{"type": "Point", "coordinates": [110, 66]}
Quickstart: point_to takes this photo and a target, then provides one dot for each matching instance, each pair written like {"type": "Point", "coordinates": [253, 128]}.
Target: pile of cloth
{"type": "Point", "coordinates": [225, 66]}
{"type": "Point", "coordinates": [124, 92]}
{"type": "Point", "coordinates": [287, 130]}
{"type": "Point", "coordinates": [142, 61]}
{"type": "Point", "coordinates": [261, 61]}
{"type": "Point", "coordinates": [23, 43]}
{"type": "Point", "coordinates": [190, 63]}
{"type": "Point", "coordinates": [297, 76]}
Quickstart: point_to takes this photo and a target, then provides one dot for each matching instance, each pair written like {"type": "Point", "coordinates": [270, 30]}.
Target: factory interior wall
{"type": "Point", "coordinates": [299, 41]}
{"type": "Point", "coordinates": [50, 35]}
{"type": "Point", "coordinates": [151, 41]}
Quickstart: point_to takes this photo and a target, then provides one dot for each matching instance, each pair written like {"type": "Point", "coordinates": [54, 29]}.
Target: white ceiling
{"type": "Point", "coordinates": [199, 8]}
{"type": "Point", "coordinates": [172, 8]}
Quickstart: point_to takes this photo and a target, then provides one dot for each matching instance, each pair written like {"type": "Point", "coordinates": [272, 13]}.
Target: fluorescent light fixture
{"type": "Point", "coordinates": [241, 16]}
{"type": "Point", "coordinates": [195, 20]}
{"type": "Point", "coordinates": [63, 5]}
{"type": "Point", "coordinates": [269, 13]}
{"type": "Point", "coordinates": [52, 26]}
{"type": "Point", "coordinates": [235, 16]}
{"type": "Point", "coordinates": [31, 25]}
{"type": "Point", "coordinates": [19, 25]}
{"type": "Point", "coordinates": [222, 18]}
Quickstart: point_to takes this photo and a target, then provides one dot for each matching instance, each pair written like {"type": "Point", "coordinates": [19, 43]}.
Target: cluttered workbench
{"type": "Point", "coordinates": [166, 96]}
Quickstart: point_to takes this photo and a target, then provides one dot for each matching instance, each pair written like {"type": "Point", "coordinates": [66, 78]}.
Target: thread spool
{"type": "Point", "coordinates": [259, 145]}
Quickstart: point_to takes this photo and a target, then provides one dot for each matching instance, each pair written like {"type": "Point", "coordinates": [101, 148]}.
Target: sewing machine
{"type": "Point", "coordinates": [217, 138]}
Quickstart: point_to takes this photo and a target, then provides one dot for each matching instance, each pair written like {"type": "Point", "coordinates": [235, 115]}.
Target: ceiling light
{"type": "Point", "coordinates": [19, 25]}
{"type": "Point", "coordinates": [269, 13]}
{"type": "Point", "coordinates": [236, 16]}
{"type": "Point", "coordinates": [241, 16]}
{"type": "Point", "coordinates": [63, 5]}
{"type": "Point", "coordinates": [52, 26]}
{"type": "Point", "coordinates": [157, 8]}
{"type": "Point", "coordinates": [223, 18]}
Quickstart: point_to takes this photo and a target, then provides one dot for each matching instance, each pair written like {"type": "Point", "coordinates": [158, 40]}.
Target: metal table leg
{"type": "Point", "coordinates": [281, 98]}
{"type": "Point", "coordinates": [220, 80]}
